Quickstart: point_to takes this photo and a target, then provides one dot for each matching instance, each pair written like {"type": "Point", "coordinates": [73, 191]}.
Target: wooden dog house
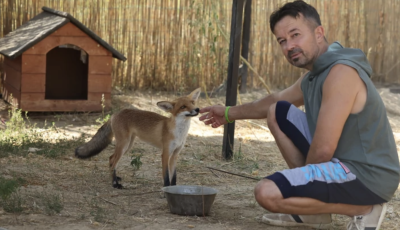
{"type": "Point", "coordinates": [54, 63]}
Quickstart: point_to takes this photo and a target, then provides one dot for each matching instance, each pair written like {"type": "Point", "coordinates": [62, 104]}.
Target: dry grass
{"type": "Point", "coordinates": [82, 188]}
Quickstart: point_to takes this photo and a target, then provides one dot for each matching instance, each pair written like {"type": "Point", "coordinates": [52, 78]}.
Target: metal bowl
{"type": "Point", "coordinates": [190, 200]}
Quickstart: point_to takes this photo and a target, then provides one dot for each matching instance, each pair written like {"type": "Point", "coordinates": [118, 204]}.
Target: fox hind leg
{"type": "Point", "coordinates": [121, 147]}
{"type": "Point", "coordinates": [116, 180]}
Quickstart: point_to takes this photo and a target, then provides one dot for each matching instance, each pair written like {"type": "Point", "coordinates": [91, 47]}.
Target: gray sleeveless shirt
{"type": "Point", "coordinates": [366, 146]}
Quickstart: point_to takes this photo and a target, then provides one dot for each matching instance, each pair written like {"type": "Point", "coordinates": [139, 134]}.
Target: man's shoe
{"type": "Point", "coordinates": [371, 221]}
{"type": "Point", "coordinates": [320, 221]}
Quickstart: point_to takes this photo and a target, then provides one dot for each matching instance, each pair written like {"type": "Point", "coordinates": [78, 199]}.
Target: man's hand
{"type": "Point", "coordinates": [215, 116]}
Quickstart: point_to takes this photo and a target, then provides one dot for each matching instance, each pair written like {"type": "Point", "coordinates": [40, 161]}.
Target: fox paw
{"type": "Point", "coordinates": [118, 178]}
{"type": "Point", "coordinates": [117, 185]}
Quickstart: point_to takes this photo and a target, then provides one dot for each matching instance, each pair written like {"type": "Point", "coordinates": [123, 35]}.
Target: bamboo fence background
{"type": "Point", "coordinates": [179, 44]}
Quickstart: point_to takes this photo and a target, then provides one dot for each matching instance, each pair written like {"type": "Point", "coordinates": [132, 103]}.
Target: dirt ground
{"type": "Point", "coordinates": [90, 202]}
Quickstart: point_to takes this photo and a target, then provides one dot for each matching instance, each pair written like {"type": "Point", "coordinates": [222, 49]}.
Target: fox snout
{"type": "Point", "coordinates": [193, 112]}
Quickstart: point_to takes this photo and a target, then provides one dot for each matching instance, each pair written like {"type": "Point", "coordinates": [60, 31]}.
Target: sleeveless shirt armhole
{"type": "Point", "coordinates": [358, 69]}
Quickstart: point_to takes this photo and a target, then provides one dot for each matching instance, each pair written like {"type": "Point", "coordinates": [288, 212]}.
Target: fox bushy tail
{"type": "Point", "coordinates": [98, 143]}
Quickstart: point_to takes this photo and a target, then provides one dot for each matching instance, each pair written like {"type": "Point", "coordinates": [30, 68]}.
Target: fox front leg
{"type": "Point", "coordinates": [165, 171]}
{"type": "Point", "coordinates": [167, 179]}
{"type": "Point", "coordinates": [172, 165]}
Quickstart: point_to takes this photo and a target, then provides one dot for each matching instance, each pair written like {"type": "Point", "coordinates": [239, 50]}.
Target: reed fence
{"type": "Point", "coordinates": [180, 44]}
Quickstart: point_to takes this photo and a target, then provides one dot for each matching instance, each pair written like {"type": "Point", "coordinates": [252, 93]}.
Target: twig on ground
{"type": "Point", "coordinates": [136, 194]}
{"type": "Point", "coordinates": [214, 173]}
{"type": "Point", "coordinates": [249, 177]}
{"type": "Point", "coordinates": [108, 201]}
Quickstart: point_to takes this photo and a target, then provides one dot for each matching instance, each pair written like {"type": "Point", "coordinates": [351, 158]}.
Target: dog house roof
{"type": "Point", "coordinates": [39, 27]}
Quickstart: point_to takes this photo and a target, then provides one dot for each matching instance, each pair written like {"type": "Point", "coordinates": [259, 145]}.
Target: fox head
{"type": "Point", "coordinates": [183, 106]}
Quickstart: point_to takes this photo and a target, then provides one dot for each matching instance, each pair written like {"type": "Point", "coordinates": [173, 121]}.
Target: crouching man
{"type": "Point", "coordinates": [341, 152]}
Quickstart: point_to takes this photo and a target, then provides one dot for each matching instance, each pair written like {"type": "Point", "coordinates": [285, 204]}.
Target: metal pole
{"type": "Point", "coordinates": [233, 68]}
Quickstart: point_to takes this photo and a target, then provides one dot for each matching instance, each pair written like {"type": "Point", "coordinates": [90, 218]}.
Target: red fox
{"type": "Point", "coordinates": [168, 134]}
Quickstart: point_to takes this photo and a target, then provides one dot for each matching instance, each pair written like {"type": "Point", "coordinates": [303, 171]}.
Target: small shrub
{"type": "Point", "coordinates": [238, 156]}
{"type": "Point", "coordinates": [98, 213]}
{"type": "Point", "coordinates": [10, 199]}
{"type": "Point", "coordinates": [136, 162]}
{"type": "Point", "coordinates": [20, 135]}
{"type": "Point", "coordinates": [53, 203]}
{"type": "Point", "coordinates": [13, 204]}
{"type": "Point", "coordinates": [9, 186]}
{"type": "Point", "coordinates": [104, 118]}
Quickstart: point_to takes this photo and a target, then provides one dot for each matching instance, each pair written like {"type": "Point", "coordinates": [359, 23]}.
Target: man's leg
{"type": "Point", "coordinates": [270, 197]}
{"type": "Point", "coordinates": [308, 194]}
{"type": "Point", "coordinates": [292, 155]}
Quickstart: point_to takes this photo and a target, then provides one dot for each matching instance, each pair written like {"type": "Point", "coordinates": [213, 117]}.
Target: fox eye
{"type": "Point", "coordinates": [193, 102]}
{"type": "Point", "coordinates": [182, 107]}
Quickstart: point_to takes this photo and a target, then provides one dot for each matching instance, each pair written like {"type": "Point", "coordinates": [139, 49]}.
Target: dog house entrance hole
{"type": "Point", "coordinates": [66, 73]}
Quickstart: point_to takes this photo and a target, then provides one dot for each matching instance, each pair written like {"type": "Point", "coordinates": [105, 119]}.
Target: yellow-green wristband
{"type": "Point", "coordinates": [226, 115]}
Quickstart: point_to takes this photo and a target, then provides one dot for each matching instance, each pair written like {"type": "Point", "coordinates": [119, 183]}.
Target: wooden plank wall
{"type": "Point", "coordinates": [12, 80]}
{"type": "Point", "coordinates": [34, 73]}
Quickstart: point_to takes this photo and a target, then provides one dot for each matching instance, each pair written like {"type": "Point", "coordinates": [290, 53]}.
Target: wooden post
{"type": "Point", "coordinates": [233, 68]}
{"type": "Point", "coordinates": [245, 44]}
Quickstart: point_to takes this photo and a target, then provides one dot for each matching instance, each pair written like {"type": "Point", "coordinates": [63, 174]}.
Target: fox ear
{"type": "Point", "coordinates": [165, 105]}
{"type": "Point", "coordinates": [195, 94]}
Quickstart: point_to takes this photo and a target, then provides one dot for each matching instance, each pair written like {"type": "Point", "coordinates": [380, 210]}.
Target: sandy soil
{"type": "Point", "coordinates": [89, 201]}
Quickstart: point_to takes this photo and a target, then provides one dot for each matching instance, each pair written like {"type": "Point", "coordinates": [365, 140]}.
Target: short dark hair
{"type": "Point", "coordinates": [294, 9]}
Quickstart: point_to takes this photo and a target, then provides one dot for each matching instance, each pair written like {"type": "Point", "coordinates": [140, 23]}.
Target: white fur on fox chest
{"type": "Point", "coordinates": [180, 133]}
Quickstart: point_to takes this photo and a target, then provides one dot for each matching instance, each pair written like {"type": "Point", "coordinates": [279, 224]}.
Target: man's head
{"type": "Point", "coordinates": [297, 28]}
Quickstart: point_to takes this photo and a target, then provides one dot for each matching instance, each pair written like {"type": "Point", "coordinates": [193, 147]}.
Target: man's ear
{"type": "Point", "coordinates": [195, 94]}
{"type": "Point", "coordinates": [320, 33]}
{"type": "Point", "coordinates": [165, 105]}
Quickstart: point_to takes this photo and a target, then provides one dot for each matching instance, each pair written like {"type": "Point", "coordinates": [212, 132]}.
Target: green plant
{"type": "Point", "coordinates": [58, 117]}
{"type": "Point", "coordinates": [104, 118]}
{"type": "Point", "coordinates": [208, 34]}
{"type": "Point", "coordinates": [238, 156]}
{"type": "Point", "coordinates": [53, 203]}
{"type": "Point", "coordinates": [10, 199]}
{"type": "Point", "coordinates": [31, 140]}
{"type": "Point", "coordinates": [13, 204]}
{"type": "Point", "coordinates": [20, 137]}
{"type": "Point", "coordinates": [9, 186]}
{"type": "Point", "coordinates": [255, 166]}
{"type": "Point", "coordinates": [97, 212]}
{"type": "Point", "coordinates": [136, 162]}
{"type": "Point", "coordinates": [16, 121]}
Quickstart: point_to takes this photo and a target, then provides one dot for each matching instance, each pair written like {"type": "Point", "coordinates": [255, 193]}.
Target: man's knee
{"type": "Point", "coordinates": [268, 195]}
{"type": "Point", "coordinates": [279, 108]}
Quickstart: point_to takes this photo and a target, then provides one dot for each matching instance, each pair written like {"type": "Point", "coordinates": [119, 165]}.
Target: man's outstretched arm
{"type": "Point", "coordinates": [257, 109]}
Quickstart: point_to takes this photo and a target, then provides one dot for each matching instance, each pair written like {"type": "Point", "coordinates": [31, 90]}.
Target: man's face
{"type": "Point", "coordinates": [297, 40]}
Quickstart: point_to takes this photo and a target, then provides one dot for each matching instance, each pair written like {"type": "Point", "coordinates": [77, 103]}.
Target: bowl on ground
{"type": "Point", "coordinates": [190, 200]}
